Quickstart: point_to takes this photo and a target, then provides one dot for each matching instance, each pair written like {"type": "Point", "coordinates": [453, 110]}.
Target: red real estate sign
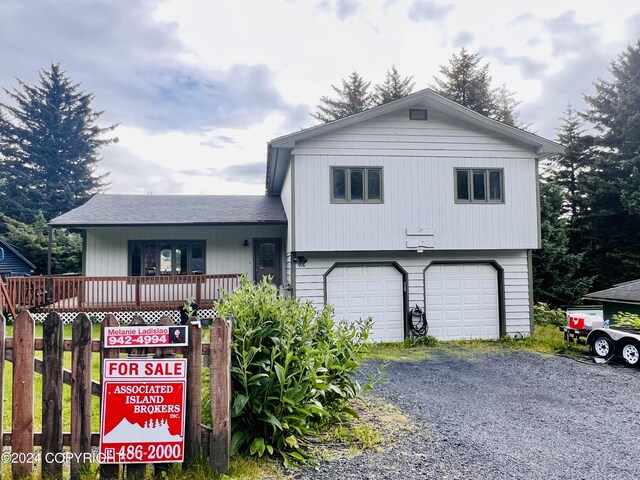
{"type": "Point", "coordinates": [145, 336]}
{"type": "Point", "coordinates": [143, 402]}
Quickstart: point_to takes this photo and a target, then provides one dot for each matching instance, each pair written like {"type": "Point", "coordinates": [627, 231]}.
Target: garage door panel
{"type": "Point", "coordinates": [357, 292]}
{"type": "Point", "coordinates": [462, 301]}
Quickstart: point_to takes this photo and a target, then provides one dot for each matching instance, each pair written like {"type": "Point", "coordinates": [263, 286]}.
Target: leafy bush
{"type": "Point", "coordinates": [293, 369]}
{"type": "Point", "coordinates": [543, 314]}
{"type": "Point", "coordinates": [626, 320]}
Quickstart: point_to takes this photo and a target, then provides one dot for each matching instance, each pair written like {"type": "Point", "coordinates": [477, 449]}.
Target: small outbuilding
{"type": "Point", "coordinates": [623, 297]}
{"type": "Point", "coordinates": [12, 262]}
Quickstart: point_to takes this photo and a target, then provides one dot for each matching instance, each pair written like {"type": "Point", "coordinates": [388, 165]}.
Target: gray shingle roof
{"type": "Point", "coordinates": [108, 210]}
{"type": "Point", "coordinates": [628, 292]}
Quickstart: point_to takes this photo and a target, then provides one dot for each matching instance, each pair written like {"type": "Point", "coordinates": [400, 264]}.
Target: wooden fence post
{"type": "Point", "coordinates": [80, 391]}
{"type": "Point", "coordinates": [22, 401]}
{"type": "Point", "coordinates": [2, 334]}
{"type": "Point", "coordinates": [136, 471]}
{"type": "Point", "coordinates": [193, 435]}
{"type": "Point", "coordinates": [108, 471]}
{"type": "Point", "coordinates": [163, 352]}
{"type": "Point", "coordinates": [220, 364]}
{"type": "Point", "coordinates": [3, 326]}
{"type": "Point", "coordinates": [52, 394]}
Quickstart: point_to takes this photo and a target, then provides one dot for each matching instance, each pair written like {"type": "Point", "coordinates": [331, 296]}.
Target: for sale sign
{"type": "Point", "coordinates": [143, 402]}
{"type": "Point", "coordinates": [145, 336]}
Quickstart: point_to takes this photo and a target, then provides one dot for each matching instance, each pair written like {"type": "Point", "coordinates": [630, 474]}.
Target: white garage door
{"type": "Point", "coordinates": [462, 301]}
{"type": "Point", "coordinates": [369, 291]}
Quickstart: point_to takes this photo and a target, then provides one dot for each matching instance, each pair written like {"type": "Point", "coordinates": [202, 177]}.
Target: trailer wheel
{"type": "Point", "coordinates": [630, 353]}
{"type": "Point", "coordinates": [602, 346]}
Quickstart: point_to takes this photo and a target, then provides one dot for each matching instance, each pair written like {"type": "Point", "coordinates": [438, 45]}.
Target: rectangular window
{"type": "Point", "coordinates": [166, 257]}
{"type": "Point", "coordinates": [356, 185]}
{"type": "Point", "coordinates": [479, 185]}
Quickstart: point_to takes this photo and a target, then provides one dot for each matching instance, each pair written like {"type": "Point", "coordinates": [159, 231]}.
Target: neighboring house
{"type": "Point", "coordinates": [416, 202]}
{"type": "Point", "coordinates": [623, 297]}
{"type": "Point", "coordinates": [12, 262]}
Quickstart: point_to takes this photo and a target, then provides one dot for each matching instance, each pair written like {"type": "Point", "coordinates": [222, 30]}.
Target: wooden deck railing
{"type": "Point", "coordinates": [97, 294]}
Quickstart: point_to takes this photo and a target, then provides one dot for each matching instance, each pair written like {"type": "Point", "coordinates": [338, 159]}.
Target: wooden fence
{"type": "Point", "coordinates": [200, 441]}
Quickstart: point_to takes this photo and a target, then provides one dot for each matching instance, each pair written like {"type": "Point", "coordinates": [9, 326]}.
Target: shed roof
{"type": "Point", "coordinates": [121, 210]}
{"type": "Point", "coordinates": [628, 292]}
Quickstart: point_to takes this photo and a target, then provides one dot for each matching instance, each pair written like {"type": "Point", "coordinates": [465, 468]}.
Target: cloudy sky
{"type": "Point", "coordinates": [199, 87]}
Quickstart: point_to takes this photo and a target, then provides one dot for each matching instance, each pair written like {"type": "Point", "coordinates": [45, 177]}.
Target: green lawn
{"type": "Point", "coordinates": [546, 339]}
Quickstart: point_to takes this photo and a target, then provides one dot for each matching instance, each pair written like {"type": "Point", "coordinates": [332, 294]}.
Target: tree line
{"type": "Point", "coordinates": [465, 80]}
{"type": "Point", "coordinates": [50, 144]}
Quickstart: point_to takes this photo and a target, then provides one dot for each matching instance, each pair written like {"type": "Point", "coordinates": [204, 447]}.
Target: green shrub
{"type": "Point", "coordinates": [625, 320]}
{"type": "Point", "coordinates": [293, 369]}
{"type": "Point", "coordinates": [545, 315]}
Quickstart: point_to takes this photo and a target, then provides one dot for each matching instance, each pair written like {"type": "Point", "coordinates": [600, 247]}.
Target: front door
{"type": "Point", "coordinates": [267, 259]}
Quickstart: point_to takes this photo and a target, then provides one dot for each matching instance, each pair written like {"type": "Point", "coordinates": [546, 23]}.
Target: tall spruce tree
{"type": "Point", "coordinates": [393, 88]}
{"type": "Point", "coordinates": [49, 147]}
{"type": "Point", "coordinates": [557, 278]}
{"type": "Point", "coordinates": [571, 169]}
{"type": "Point", "coordinates": [466, 81]}
{"type": "Point", "coordinates": [614, 183]}
{"type": "Point", "coordinates": [505, 106]}
{"type": "Point", "coordinates": [353, 97]}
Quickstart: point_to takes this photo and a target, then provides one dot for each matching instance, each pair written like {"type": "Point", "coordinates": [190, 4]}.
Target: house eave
{"type": "Point", "coordinates": [158, 224]}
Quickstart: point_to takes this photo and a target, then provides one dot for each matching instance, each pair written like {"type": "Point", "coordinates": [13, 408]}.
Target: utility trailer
{"type": "Point", "coordinates": [585, 327]}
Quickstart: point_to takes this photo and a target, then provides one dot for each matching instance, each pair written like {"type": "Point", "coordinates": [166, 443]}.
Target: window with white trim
{"type": "Point", "coordinates": [479, 185]}
{"type": "Point", "coordinates": [356, 185]}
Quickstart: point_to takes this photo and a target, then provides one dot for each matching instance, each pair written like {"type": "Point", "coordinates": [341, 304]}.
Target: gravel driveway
{"type": "Point", "coordinates": [505, 416]}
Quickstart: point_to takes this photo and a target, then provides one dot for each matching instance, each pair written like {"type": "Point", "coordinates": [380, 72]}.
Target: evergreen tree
{"type": "Point", "coordinates": [505, 106]}
{"type": "Point", "coordinates": [393, 88]}
{"type": "Point", "coordinates": [467, 82]}
{"type": "Point", "coordinates": [615, 112]}
{"type": "Point", "coordinates": [49, 147]}
{"type": "Point", "coordinates": [353, 97]}
{"type": "Point", "coordinates": [612, 232]}
{"type": "Point", "coordinates": [556, 271]}
{"type": "Point", "coordinates": [572, 168]}
{"type": "Point", "coordinates": [33, 242]}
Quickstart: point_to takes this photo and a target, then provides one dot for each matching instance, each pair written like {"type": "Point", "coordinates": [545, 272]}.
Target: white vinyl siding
{"type": "Point", "coordinates": [107, 248]}
{"type": "Point", "coordinates": [310, 278]}
{"type": "Point", "coordinates": [418, 160]}
{"type": "Point", "coordinates": [285, 197]}
{"type": "Point", "coordinates": [418, 194]}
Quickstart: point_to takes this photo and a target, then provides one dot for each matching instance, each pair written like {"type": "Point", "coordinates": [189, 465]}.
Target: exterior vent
{"type": "Point", "coordinates": [417, 114]}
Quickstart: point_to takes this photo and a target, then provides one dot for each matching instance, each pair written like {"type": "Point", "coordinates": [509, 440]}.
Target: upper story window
{"type": "Point", "coordinates": [479, 185]}
{"type": "Point", "coordinates": [356, 185]}
{"type": "Point", "coordinates": [166, 257]}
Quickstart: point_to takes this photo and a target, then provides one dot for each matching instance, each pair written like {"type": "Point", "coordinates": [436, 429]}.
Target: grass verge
{"type": "Point", "coordinates": [546, 339]}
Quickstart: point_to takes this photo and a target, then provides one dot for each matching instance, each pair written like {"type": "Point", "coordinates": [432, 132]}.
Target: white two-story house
{"type": "Point", "coordinates": [419, 202]}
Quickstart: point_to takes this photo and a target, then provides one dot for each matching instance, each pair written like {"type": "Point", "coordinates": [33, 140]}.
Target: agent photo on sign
{"type": "Point", "coordinates": [176, 335]}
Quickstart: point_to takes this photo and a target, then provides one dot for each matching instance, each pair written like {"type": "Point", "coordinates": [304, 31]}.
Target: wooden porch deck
{"type": "Point", "coordinates": [102, 294]}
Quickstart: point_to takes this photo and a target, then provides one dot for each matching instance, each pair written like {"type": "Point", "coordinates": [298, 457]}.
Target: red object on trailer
{"type": "Point", "coordinates": [576, 322]}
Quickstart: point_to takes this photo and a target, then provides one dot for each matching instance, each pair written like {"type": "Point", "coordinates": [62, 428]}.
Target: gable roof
{"type": "Point", "coordinates": [115, 210]}
{"type": "Point", "coordinates": [279, 149]}
{"type": "Point", "coordinates": [628, 292]}
{"type": "Point", "coordinates": [11, 248]}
